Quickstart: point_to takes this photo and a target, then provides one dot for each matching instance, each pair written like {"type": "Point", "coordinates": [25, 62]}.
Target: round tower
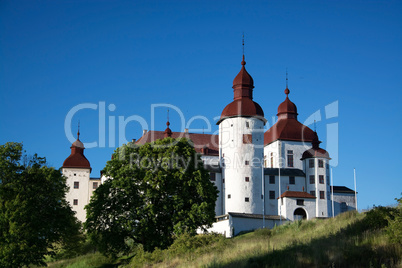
{"type": "Point", "coordinates": [316, 167]}
{"type": "Point", "coordinates": [241, 145]}
{"type": "Point", "coordinates": [76, 169]}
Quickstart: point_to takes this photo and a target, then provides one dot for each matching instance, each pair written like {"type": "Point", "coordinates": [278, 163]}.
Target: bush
{"type": "Point", "coordinates": [394, 229]}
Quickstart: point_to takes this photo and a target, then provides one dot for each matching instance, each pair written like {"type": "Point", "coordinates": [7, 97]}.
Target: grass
{"type": "Point", "coordinates": [345, 241]}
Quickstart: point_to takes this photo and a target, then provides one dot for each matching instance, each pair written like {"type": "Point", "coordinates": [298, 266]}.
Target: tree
{"type": "Point", "coordinates": [394, 228]}
{"type": "Point", "coordinates": [34, 214]}
{"type": "Point", "coordinates": [157, 191]}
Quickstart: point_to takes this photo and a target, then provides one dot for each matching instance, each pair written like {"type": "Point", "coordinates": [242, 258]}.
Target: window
{"type": "Point", "coordinates": [247, 138]}
{"type": "Point", "coordinates": [300, 202]}
{"type": "Point", "coordinates": [246, 163]}
{"type": "Point", "coordinates": [291, 180]}
{"type": "Point", "coordinates": [290, 158]}
{"type": "Point", "coordinates": [246, 199]}
{"type": "Point", "coordinates": [75, 202]}
{"type": "Point", "coordinates": [271, 194]}
{"type": "Point", "coordinates": [229, 196]}
{"type": "Point", "coordinates": [212, 176]}
{"type": "Point", "coordinates": [272, 159]}
{"type": "Point", "coordinates": [75, 174]}
{"type": "Point", "coordinates": [265, 161]}
{"type": "Point", "coordinates": [320, 163]}
{"type": "Point", "coordinates": [271, 179]}
{"type": "Point", "coordinates": [312, 179]}
{"type": "Point", "coordinates": [312, 193]}
{"type": "Point", "coordinates": [247, 179]}
{"type": "Point", "coordinates": [247, 125]}
{"type": "Point", "coordinates": [321, 178]}
{"type": "Point", "coordinates": [322, 195]}
{"type": "Point", "coordinates": [311, 163]}
{"type": "Point", "coordinates": [95, 185]}
{"type": "Point", "coordinates": [76, 185]}
{"type": "Point", "coordinates": [223, 180]}
{"type": "Point", "coordinates": [328, 180]}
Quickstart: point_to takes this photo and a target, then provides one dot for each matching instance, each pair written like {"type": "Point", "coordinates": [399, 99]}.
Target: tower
{"type": "Point", "coordinates": [241, 142]}
{"type": "Point", "coordinates": [316, 168]}
{"type": "Point", "coordinates": [76, 169]}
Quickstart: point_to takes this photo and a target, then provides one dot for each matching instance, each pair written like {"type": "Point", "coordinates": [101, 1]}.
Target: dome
{"type": "Point", "coordinates": [242, 104]}
{"type": "Point", "coordinates": [242, 107]}
{"type": "Point", "coordinates": [168, 131]}
{"type": "Point", "coordinates": [77, 158]}
{"type": "Point", "coordinates": [287, 107]}
{"type": "Point", "coordinates": [243, 78]}
{"type": "Point", "coordinates": [78, 143]}
{"type": "Point", "coordinates": [315, 151]}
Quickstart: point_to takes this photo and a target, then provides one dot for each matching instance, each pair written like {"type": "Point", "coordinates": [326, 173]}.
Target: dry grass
{"type": "Point", "coordinates": [338, 242]}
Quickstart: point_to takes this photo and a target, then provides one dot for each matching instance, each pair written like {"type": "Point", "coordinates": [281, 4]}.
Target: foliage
{"type": "Point", "coordinates": [394, 228]}
{"type": "Point", "coordinates": [158, 191]}
{"type": "Point", "coordinates": [337, 242]}
{"type": "Point", "coordinates": [34, 214]}
{"type": "Point", "coordinates": [377, 217]}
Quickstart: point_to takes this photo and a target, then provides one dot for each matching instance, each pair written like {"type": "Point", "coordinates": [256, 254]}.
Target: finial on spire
{"type": "Point", "coordinates": [168, 123]}
{"type": "Point", "coordinates": [78, 133]}
{"type": "Point", "coordinates": [287, 91]}
{"type": "Point", "coordinates": [243, 43]}
{"type": "Point", "coordinates": [243, 62]}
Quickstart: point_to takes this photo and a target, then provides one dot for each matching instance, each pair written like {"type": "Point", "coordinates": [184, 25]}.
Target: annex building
{"type": "Point", "coordinates": [263, 178]}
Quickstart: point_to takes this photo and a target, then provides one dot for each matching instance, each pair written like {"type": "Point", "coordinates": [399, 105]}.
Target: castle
{"type": "Point", "coordinates": [264, 179]}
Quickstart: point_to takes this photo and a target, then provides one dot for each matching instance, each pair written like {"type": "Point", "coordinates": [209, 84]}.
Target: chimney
{"type": "Point", "coordinates": [186, 130]}
{"type": "Point", "coordinates": [144, 131]}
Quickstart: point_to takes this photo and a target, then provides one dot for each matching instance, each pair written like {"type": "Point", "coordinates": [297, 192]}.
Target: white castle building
{"type": "Point", "coordinates": [264, 179]}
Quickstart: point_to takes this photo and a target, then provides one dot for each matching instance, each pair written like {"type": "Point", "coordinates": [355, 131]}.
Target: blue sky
{"type": "Point", "coordinates": [55, 55]}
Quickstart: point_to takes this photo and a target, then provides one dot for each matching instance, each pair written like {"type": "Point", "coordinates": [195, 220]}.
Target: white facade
{"type": "Point", "coordinates": [241, 142]}
{"type": "Point", "coordinates": [289, 206]}
{"type": "Point", "coordinates": [80, 191]}
{"type": "Point", "coordinates": [281, 151]}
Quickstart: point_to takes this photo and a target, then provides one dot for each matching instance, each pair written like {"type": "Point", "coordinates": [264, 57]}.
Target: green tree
{"type": "Point", "coordinates": [158, 191]}
{"type": "Point", "coordinates": [34, 214]}
{"type": "Point", "coordinates": [394, 228]}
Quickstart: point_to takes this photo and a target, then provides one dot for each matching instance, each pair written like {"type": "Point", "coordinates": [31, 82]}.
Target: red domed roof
{"type": "Point", "coordinates": [315, 151]}
{"type": "Point", "coordinates": [242, 104]}
{"type": "Point", "coordinates": [77, 158]}
{"type": "Point", "coordinates": [288, 129]}
{"type": "Point", "coordinates": [287, 107]}
{"type": "Point", "coordinates": [168, 131]}
{"type": "Point", "coordinates": [242, 107]}
{"type": "Point", "coordinates": [243, 78]}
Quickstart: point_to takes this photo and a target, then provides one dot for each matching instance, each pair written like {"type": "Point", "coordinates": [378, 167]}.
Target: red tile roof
{"type": "Point", "coordinates": [288, 129]}
{"type": "Point", "coordinates": [295, 194]}
{"type": "Point", "coordinates": [206, 144]}
{"type": "Point", "coordinates": [77, 158]}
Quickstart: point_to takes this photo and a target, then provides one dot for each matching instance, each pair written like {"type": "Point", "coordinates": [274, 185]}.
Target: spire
{"type": "Point", "coordinates": [287, 77]}
{"type": "Point", "coordinates": [78, 133]}
{"type": "Point", "coordinates": [168, 132]}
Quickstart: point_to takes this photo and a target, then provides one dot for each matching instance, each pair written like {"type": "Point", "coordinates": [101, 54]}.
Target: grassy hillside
{"type": "Point", "coordinates": [349, 240]}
